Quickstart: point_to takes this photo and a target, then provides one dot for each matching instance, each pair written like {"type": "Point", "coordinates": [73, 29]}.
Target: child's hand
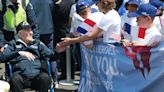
{"type": "Point", "coordinates": [126, 42]}
{"type": "Point", "coordinates": [135, 43]}
{"type": "Point", "coordinates": [154, 44]}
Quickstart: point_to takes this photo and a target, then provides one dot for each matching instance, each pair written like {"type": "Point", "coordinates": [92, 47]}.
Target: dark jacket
{"type": "Point", "coordinates": [6, 36]}
{"type": "Point", "coordinates": [61, 19]}
{"type": "Point", "coordinates": [61, 15]}
{"type": "Point", "coordinates": [22, 64]}
{"type": "Point", "coordinates": [44, 14]}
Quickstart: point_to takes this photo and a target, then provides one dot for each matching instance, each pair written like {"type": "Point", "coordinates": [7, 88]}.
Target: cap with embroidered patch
{"type": "Point", "coordinates": [144, 10]}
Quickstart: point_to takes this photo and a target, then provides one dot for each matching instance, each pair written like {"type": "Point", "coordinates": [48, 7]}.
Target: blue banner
{"type": "Point", "coordinates": [107, 68]}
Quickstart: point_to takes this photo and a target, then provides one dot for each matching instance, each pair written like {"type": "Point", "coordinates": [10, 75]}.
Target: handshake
{"type": "Point", "coordinates": [61, 46]}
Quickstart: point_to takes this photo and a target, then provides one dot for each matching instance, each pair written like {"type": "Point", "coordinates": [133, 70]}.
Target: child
{"type": "Point", "coordinates": [159, 20]}
{"type": "Point", "coordinates": [80, 19]}
{"type": "Point", "coordinates": [83, 12]}
{"type": "Point", "coordinates": [131, 6]}
{"type": "Point", "coordinates": [148, 35]}
{"type": "Point", "coordinates": [109, 25]}
{"type": "Point", "coordinates": [143, 39]}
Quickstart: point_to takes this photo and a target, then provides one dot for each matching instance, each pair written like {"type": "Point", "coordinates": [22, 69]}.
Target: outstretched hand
{"type": "Point", "coordinates": [60, 48]}
{"type": "Point", "coordinates": [65, 42]}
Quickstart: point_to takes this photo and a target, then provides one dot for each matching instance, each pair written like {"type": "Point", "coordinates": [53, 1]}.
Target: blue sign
{"type": "Point", "coordinates": [107, 68]}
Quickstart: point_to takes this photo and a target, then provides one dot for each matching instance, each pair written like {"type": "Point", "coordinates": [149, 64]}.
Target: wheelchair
{"type": "Point", "coordinates": [9, 71]}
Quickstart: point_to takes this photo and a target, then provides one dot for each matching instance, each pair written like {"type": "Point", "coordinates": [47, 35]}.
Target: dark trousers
{"type": "Point", "coordinates": [41, 82]}
{"type": "Point", "coordinates": [47, 39]}
{"type": "Point", "coordinates": [76, 54]}
{"type": "Point", "coordinates": [62, 56]}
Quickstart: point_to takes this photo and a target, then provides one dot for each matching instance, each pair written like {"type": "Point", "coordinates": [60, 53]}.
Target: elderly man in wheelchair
{"type": "Point", "coordinates": [26, 55]}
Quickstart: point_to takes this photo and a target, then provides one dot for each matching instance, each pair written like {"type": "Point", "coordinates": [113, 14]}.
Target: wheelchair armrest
{"type": "Point", "coordinates": [10, 71]}
{"type": "Point", "coordinates": [49, 68]}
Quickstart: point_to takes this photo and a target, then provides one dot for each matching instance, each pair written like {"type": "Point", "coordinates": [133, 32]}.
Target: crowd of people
{"type": "Point", "coordinates": [34, 31]}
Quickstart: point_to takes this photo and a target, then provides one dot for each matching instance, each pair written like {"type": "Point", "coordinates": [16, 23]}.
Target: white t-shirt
{"type": "Point", "coordinates": [89, 25]}
{"type": "Point", "coordinates": [151, 35]}
{"type": "Point", "coordinates": [157, 22]}
{"type": "Point", "coordinates": [76, 21]}
{"type": "Point", "coordinates": [129, 20]}
{"type": "Point", "coordinates": [162, 25]}
{"type": "Point", "coordinates": [72, 11]}
{"type": "Point", "coordinates": [111, 26]}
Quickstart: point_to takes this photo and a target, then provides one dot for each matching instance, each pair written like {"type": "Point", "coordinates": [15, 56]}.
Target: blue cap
{"type": "Point", "coordinates": [81, 5]}
{"type": "Point", "coordinates": [144, 10]}
{"type": "Point", "coordinates": [136, 2]}
{"type": "Point", "coordinates": [157, 3]}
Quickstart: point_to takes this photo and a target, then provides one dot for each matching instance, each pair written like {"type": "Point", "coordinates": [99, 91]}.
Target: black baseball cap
{"type": "Point", "coordinates": [23, 25]}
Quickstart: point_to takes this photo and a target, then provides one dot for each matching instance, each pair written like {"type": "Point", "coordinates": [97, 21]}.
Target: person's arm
{"type": "Point", "coordinates": [2, 41]}
{"type": "Point", "coordinates": [8, 53]}
{"type": "Point", "coordinates": [45, 52]}
{"type": "Point", "coordinates": [155, 40]}
{"type": "Point", "coordinates": [92, 35]}
{"type": "Point", "coordinates": [31, 18]}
